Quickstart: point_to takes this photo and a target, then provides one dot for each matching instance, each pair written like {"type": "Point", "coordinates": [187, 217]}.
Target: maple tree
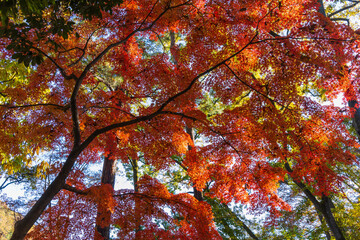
{"type": "Point", "coordinates": [248, 76]}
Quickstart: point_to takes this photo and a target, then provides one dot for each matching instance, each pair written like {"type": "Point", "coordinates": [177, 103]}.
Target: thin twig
{"type": "Point", "coordinates": [66, 107]}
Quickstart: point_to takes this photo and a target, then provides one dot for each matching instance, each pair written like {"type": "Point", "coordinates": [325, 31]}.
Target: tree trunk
{"type": "Point", "coordinates": [23, 226]}
{"type": "Point", "coordinates": [135, 168]}
{"type": "Point", "coordinates": [240, 222]}
{"type": "Point", "coordinates": [197, 194]}
{"type": "Point", "coordinates": [321, 218]}
{"type": "Point", "coordinates": [324, 207]}
{"type": "Point", "coordinates": [327, 204]}
{"type": "Point", "coordinates": [321, 7]}
{"type": "Point", "coordinates": [356, 117]}
{"type": "Point", "coordinates": [103, 219]}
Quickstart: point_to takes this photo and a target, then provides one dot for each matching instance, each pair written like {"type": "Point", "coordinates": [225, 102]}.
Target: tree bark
{"type": "Point", "coordinates": [321, 218]}
{"type": "Point", "coordinates": [356, 117]}
{"type": "Point", "coordinates": [23, 226]}
{"type": "Point", "coordinates": [321, 7]}
{"type": "Point", "coordinates": [135, 168]}
{"type": "Point", "coordinates": [197, 194]}
{"type": "Point", "coordinates": [240, 222]}
{"type": "Point", "coordinates": [103, 219]}
{"type": "Point", "coordinates": [326, 203]}
{"type": "Point", "coordinates": [324, 207]}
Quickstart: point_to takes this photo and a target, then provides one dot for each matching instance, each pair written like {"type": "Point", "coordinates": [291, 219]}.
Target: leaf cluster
{"type": "Point", "coordinates": [45, 18]}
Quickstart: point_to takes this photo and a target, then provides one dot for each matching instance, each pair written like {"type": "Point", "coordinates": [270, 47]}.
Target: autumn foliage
{"type": "Point", "coordinates": [250, 77]}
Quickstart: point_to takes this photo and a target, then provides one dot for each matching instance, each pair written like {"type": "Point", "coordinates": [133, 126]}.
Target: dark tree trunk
{"type": "Point", "coordinates": [197, 194]}
{"type": "Point", "coordinates": [324, 207]}
{"type": "Point", "coordinates": [327, 204]}
{"type": "Point", "coordinates": [321, 218]}
{"type": "Point", "coordinates": [356, 117]}
{"type": "Point", "coordinates": [240, 222]}
{"type": "Point", "coordinates": [135, 168]}
{"type": "Point", "coordinates": [103, 219]}
{"type": "Point", "coordinates": [23, 226]}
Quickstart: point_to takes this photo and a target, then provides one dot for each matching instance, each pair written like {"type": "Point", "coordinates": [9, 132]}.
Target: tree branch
{"type": "Point", "coordinates": [83, 50]}
{"type": "Point", "coordinates": [343, 9]}
{"type": "Point", "coordinates": [74, 189]}
{"type": "Point", "coordinates": [206, 72]}
{"type": "Point", "coordinates": [62, 71]}
{"type": "Point", "coordinates": [324, 207]}
{"type": "Point", "coordinates": [247, 229]}
{"type": "Point", "coordinates": [341, 19]}
{"type": "Point", "coordinates": [23, 226]}
{"type": "Point", "coordinates": [212, 130]}
{"type": "Point", "coordinates": [302, 186]}
{"type": "Point", "coordinates": [64, 108]}
{"type": "Point", "coordinates": [251, 87]}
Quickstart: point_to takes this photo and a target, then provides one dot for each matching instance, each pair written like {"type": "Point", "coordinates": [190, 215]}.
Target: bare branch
{"type": "Point", "coordinates": [75, 116]}
{"type": "Point", "coordinates": [62, 71]}
{"type": "Point", "coordinates": [180, 114]}
{"type": "Point", "coordinates": [252, 88]}
{"type": "Point", "coordinates": [341, 19]}
{"type": "Point", "coordinates": [74, 189]}
{"type": "Point", "coordinates": [302, 186]}
{"type": "Point", "coordinates": [148, 15]}
{"type": "Point", "coordinates": [240, 222]}
{"type": "Point", "coordinates": [84, 49]}
{"type": "Point", "coordinates": [343, 9]}
{"type": "Point", "coordinates": [324, 206]}
{"type": "Point", "coordinates": [6, 183]}
{"type": "Point", "coordinates": [180, 164]}
{"type": "Point", "coordinates": [64, 108]}
{"type": "Point", "coordinates": [206, 72]}
{"type": "Point", "coordinates": [212, 130]}
{"type": "Point", "coordinates": [159, 38]}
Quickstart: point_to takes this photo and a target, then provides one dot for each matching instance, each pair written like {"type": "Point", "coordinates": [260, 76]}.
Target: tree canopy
{"type": "Point", "coordinates": [234, 99]}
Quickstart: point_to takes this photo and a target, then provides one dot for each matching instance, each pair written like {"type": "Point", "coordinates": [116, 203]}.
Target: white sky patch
{"type": "Point", "coordinates": [13, 191]}
{"type": "Point", "coordinates": [120, 180]}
